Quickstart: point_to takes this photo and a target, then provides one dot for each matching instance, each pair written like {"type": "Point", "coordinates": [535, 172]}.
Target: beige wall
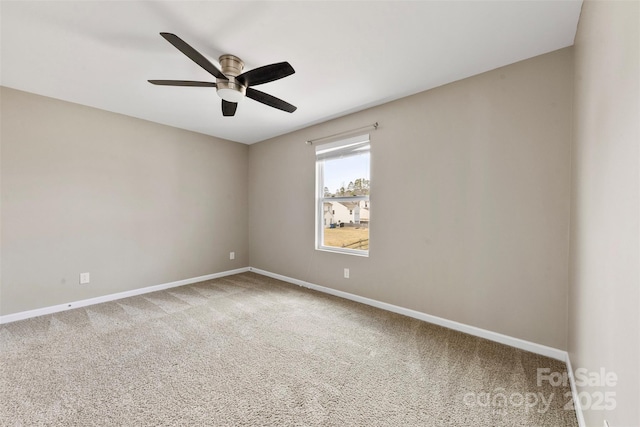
{"type": "Point", "coordinates": [604, 326]}
{"type": "Point", "coordinates": [132, 202]}
{"type": "Point", "coordinates": [487, 162]}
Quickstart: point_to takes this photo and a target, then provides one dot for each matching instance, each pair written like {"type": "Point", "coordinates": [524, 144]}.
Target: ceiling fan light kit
{"type": "Point", "coordinates": [231, 91]}
{"type": "Point", "coordinates": [232, 85]}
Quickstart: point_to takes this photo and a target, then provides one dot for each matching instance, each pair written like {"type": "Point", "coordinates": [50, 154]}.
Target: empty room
{"type": "Point", "coordinates": [320, 213]}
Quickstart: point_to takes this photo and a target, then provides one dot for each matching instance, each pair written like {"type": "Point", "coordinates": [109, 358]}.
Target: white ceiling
{"type": "Point", "coordinates": [348, 55]}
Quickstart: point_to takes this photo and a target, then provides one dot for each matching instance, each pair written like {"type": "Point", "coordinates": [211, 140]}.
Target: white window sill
{"type": "Point", "coordinates": [343, 251]}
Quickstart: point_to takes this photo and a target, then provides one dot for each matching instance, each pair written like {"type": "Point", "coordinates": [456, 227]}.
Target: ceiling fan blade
{"type": "Point", "coordinates": [193, 54]}
{"type": "Point", "coordinates": [270, 100]}
{"type": "Point", "coordinates": [229, 108]}
{"type": "Point", "coordinates": [181, 83]}
{"type": "Point", "coordinates": [265, 74]}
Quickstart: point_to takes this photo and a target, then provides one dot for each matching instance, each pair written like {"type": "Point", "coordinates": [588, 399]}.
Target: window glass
{"type": "Point", "coordinates": [343, 183]}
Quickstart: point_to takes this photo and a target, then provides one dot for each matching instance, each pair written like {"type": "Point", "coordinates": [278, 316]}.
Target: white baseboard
{"type": "Point", "coordinates": [105, 298]}
{"type": "Point", "coordinates": [551, 352]}
{"type": "Point", "coordinates": [574, 394]}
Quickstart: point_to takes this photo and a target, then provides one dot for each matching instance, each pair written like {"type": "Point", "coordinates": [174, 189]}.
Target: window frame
{"type": "Point", "coordinates": [320, 199]}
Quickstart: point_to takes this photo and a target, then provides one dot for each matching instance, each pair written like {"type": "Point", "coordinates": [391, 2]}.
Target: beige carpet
{"type": "Point", "coordinates": [247, 350]}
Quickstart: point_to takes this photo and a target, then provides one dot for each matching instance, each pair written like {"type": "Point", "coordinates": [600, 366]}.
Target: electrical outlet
{"type": "Point", "coordinates": [85, 278]}
{"type": "Point", "coordinates": [346, 273]}
{"type": "Point", "coordinates": [232, 255]}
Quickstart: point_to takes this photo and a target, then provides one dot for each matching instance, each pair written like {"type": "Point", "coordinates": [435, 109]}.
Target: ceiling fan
{"type": "Point", "coordinates": [231, 83]}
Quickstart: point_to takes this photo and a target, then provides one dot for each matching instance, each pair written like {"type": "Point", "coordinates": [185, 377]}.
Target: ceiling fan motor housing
{"type": "Point", "coordinates": [230, 90]}
{"type": "Point", "coordinates": [231, 65]}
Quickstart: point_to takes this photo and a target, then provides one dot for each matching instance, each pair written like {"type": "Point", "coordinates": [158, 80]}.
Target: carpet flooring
{"type": "Point", "coordinates": [247, 350]}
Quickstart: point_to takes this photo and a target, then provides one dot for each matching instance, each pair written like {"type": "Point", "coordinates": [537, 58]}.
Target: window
{"type": "Point", "coordinates": [343, 205]}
